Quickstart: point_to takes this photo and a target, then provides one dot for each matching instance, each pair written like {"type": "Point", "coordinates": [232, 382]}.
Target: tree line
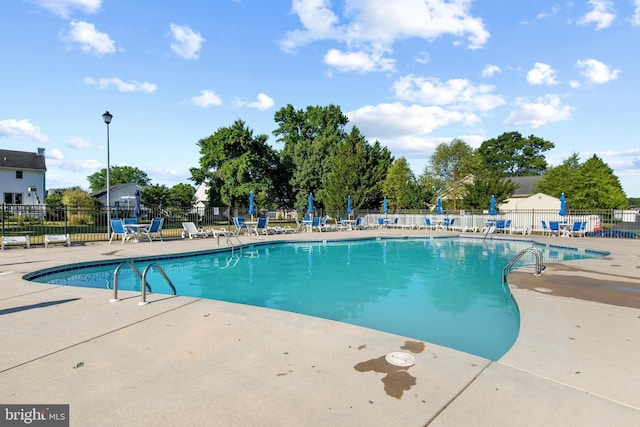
{"type": "Point", "coordinates": [321, 154]}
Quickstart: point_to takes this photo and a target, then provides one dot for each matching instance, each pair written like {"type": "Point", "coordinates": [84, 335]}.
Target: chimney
{"type": "Point", "coordinates": [40, 151]}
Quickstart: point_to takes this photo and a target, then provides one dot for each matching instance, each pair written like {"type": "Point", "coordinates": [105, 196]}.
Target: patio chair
{"type": "Point", "coordinates": [154, 229]}
{"type": "Point", "coordinates": [578, 229]}
{"type": "Point", "coordinates": [130, 221]}
{"type": "Point", "coordinates": [190, 230]}
{"type": "Point", "coordinates": [554, 228]}
{"type": "Point", "coordinates": [448, 223]}
{"type": "Point", "coordinates": [118, 229]}
{"type": "Point", "coordinates": [239, 224]}
{"type": "Point", "coordinates": [545, 229]}
{"type": "Point", "coordinates": [428, 225]}
{"type": "Point", "coordinates": [263, 226]}
{"type": "Point", "coordinates": [359, 224]}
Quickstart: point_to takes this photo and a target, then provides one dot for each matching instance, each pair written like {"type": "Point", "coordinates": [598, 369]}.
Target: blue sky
{"type": "Point", "coordinates": [409, 73]}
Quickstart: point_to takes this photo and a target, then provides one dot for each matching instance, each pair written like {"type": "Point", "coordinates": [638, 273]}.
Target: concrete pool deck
{"type": "Point", "coordinates": [182, 361]}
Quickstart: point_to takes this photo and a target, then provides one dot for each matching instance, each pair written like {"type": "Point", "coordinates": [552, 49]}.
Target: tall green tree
{"type": "Point", "coordinates": [486, 184]}
{"type": "Point", "coordinates": [118, 175]}
{"type": "Point", "coordinates": [401, 186]}
{"type": "Point", "coordinates": [311, 139]}
{"type": "Point", "coordinates": [235, 162]}
{"type": "Point", "coordinates": [154, 196]}
{"type": "Point", "coordinates": [511, 154]}
{"type": "Point", "coordinates": [452, 164]}
{"type": "Point", "coordinates": [590, 185]}
{"type": "Point", "coordinates": [181, 195]}
{"type": "Point", "coordinates": [358, 171]}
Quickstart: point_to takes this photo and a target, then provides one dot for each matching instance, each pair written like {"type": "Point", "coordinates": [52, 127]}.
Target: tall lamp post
{"type": "Point", "coordinates": [107, 119]}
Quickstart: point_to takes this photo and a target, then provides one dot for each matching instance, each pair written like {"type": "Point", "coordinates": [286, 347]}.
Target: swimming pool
{"type": "Point", "coordinates": [446, 291]}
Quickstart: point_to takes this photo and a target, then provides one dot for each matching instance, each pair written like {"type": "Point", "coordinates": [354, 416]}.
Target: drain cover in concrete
{"type": "Point", "coordinates": [398, 358]}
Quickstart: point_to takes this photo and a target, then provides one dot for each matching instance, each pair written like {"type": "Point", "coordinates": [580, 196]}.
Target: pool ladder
{"type": "Point", "coordinates": [142, 277]}
{"type": "Point", "coordinates": [537, 253]}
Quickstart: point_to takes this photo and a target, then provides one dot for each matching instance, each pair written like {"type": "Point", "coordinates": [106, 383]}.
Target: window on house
{"type": "Point", "coordinates": [18, 174]}
{"type": "Point", "coordinates": [13, 198]}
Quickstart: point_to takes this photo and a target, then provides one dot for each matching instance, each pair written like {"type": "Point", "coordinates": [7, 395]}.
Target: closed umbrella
{"type": "Point", "coordinates": [563, 205]}
{"type": "Point", "coordinates": [349, 206]}
{"type": "Point", "coordinates": [252, 209]}
{"type": "Point", "coordinates": [439, 206]}
{"type": "Point", "coordinates": [385, 205]}
{"type": "Point", "coordinates": [137, 210]}
{"type": "Point", "coordinates": [310, 208]}
{"type": "Point", "coordinates": [493, 210]}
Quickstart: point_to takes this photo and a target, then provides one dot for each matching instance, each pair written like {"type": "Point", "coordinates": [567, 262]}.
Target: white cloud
{"type": "Point", "coordinates": [206, 99]}
{"type": "Point", "coordinates": [79, 143]}
{"type": "Point", "coordinates": [635, 18]}
{"type": "Point", "coordinates": [54, 154]}
{"type": "Point", "coordinates": [21, 129]}
{"type": "Point", "coordinates": [456, 93]}
{"type": "Point", "coordinates": [64, 7]}
{"type": "Point", "coordinates": [371, 27]}
{"type": "Point", "coordinates": [263, 102]}
{"type": "Point", "coordinates": [541, 74]}
{"type": "Point", "coordinates": [121, 85]}
{"type": "Point", "coordinates": [548, 109]}
{"type": "Point", "coordinates": [489, 70]}
{"type": "Point", "coordinates": [595, 71]}
{"type": "Point", "coordinates": [398, 120]}
{"type": "Point", "coordinates": [601, 14]}
{"type": "Point", "coordinates": [187, 43]}
{"type": "Point", "coordinates": [358, 61]}
{"type": "Point", "coordinates": [89, 39]}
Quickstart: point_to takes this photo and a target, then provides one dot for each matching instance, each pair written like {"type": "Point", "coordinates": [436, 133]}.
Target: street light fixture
{"type": "Point", "coordinates": [107, 119]}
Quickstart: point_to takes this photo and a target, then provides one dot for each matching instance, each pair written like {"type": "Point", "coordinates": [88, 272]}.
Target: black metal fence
{"type": "Point", "coordinates": [83, 224]}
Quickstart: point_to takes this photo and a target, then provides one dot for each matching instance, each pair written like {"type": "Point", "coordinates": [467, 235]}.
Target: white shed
{"type": "Point", "coordinates": [539, 201]}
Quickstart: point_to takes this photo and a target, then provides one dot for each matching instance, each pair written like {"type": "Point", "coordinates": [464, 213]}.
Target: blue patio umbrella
{"type": "Point", "coordinates": [252, 209]}
{"type": "Point", "coordinates": [137, 211]}
{"type": "Point", "coordinates": [563, 205]}
{"type": "Point", "coordinates": [493, 210]}
{"type": "Point", "coordinates": [385, 205]}
{"type": "Point", "coordinates": [310, 208]}
{"type": "Point", "coordinates": [439, 206]}
{"type": "Point", "coordinates": [349, 211]}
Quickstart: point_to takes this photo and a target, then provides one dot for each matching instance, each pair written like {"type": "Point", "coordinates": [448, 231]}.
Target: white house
{"type": "Point", "coordinates": [22, 177]}
{"type": "Point", "coordinates": [121, 195]}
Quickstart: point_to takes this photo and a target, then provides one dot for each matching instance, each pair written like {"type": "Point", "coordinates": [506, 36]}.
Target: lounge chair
{"type": "Point", "coordinates": [154, 229]}
{"type": "Point", "coordinates": [56, 238]}
{"type": "Point", "coordinates": [118, 229]}
{"type": "Point", "coordinates": [16, 240]}
{"type": "Point", "coordinates": [190, 230]}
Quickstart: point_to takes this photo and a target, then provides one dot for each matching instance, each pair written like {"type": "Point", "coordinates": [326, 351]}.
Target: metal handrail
{"type": "Point", "coordinates": [539, 262]}
{"type": "Point", "coordinates": [144, 281]}
{"type": "Point", "coordinates": [115, 278]}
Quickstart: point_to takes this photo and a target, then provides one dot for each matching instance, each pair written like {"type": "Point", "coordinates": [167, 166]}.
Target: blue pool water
{"type": "Point", "coordinates": [444, 291]}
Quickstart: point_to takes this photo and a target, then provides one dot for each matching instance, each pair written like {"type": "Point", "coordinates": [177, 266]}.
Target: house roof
{"type": "Point", "coordinates": [114, 188]}
{"type": "Point", "coordinates": [524, 184]}
{"type": "Point", "coordinates": [22, 160]}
